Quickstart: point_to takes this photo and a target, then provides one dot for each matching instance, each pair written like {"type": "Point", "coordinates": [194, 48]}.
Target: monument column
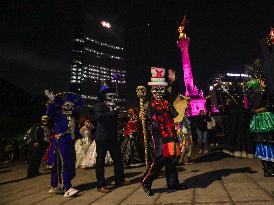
{"type": "Point", "coordinates": [197, 102]}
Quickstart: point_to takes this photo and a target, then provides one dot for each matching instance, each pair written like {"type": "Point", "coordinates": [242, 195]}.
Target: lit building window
{"type": "Point", "coordinates": [104, 44]}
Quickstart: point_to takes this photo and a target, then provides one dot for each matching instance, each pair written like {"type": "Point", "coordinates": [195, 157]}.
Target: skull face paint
{"type": "Point", "coordinates": [67, 108]}
{"type": "Point", "coordinates": [141, 91]}
{"type": "Point", "coordinates": [111, 99]}
{"type": "Point", "coordinates": [158, 92]}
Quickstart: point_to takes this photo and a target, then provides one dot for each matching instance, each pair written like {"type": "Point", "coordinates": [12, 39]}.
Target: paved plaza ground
{"type": "Point", "coordinates": [215, 179]}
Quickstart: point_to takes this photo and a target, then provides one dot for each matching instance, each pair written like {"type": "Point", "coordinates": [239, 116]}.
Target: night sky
{"type": "Point", "coordinates": [36, 40]}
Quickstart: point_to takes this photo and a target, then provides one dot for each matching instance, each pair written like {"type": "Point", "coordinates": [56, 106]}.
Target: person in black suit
{"type": "Point", "coordinates": [106, 138]}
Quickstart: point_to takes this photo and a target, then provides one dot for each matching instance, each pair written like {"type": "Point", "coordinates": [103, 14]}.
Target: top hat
{"type": "Point", "coordinates": [157, 77]}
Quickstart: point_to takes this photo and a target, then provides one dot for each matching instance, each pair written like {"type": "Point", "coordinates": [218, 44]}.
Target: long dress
{"type": "Point", "coordinates": [185, 140]}
{"type": "Point", "coordinates": [82, 145]}
{"type": "Point", "coordinates": [89, 160]}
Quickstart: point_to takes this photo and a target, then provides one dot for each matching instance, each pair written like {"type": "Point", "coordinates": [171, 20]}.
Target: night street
{"type": "Point", "coordinates": [213, 179]}
{"type": "Point", "coordinates": [137, 102]}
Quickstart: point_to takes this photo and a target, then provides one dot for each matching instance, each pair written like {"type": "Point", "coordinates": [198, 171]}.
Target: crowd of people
{"type": "Point", "coordinates": [68, 143]}
{"type": "Point", "coordinates": [157, 135]}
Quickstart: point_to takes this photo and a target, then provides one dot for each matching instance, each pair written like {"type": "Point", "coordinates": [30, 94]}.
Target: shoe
{"type": "Point", "coordinates": [103, 189]}
{"type": "Point", "coordinates": [244, 154]}
{"type": "Point", "coordinates": [237, 154]}
{"type": "Point", "coordinates": [200, 151]}
{"type": "Point", "coordinates": [206, 151]}
{"type": "Point", "coordinates": [56, 190]}
{"type": "Point", "coordinates": [124, 183]}
{"type": "Point", "coordinates": [71, 192]}
{"type": "Point", "coordinates": [29, 176]}
{"type": "Point", "coordinates": [148, 191]}
{"type": "Point", "coordinates": [211, 145]}
{"type": "Point", "coordinates": [250, 156]}
{"type": "Point", "coordinates": [178, 187]}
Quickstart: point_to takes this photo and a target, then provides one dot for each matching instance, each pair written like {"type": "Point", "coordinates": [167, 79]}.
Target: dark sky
{"type": "Point", "coordinates": [36, 42]}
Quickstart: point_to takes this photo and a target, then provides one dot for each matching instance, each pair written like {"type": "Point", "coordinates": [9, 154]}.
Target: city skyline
{"type": "Point", "coordinates": [37, 39]}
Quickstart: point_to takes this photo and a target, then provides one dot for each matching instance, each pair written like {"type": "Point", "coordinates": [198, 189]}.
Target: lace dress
{"type": "Point", "coordinates": [81, 146]}
{"type": "Point", "coordinates": [89, 160]}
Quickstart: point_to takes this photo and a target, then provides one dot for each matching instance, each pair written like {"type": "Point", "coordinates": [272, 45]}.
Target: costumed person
{"type": "Point", "coordinates": [89, 160]}
{"type": "Point", "coordinates": [106, 138]}
{"type": "Point", "coordinates": [181, 121]}
{"type": "Point", "coordinates": [172, 91]}
{"type": "Point", "coordinates": [162, 144]}
{"type": "Point", "coordinates": [132, 146]}
{"type": "Point", "coordinates": [183, 129]}
{"type": "Point", "coordinates": [61, 109]}
{"type": "Point", "coordinates": [268, 66]}
{"type": "Point", "coordinates": [262, 123]}
{"type": "Point", "coordinates": [83, 143]}
{"type": "Point", "coordinates": [46, 155]}
{"type": "Point", "coordinates": [238, 142]}
{"type": "Point", "coordinates": [38, 141]}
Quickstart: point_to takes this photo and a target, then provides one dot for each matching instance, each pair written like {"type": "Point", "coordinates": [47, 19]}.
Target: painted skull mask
{"type": "Point", "coordinates": [67, 108]}
{"type": "Point", "coordinates": [111, 99]}
{"type": "Point", "coordinates": [45, 119]}
{"type": "Point", "coordinates": [158, 92]}
{"type": "Point", "coordinates": [141, 91]}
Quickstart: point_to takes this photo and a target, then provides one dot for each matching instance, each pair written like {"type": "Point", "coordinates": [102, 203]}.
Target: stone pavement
{"type": "Point", "coordinates": [214, 179]}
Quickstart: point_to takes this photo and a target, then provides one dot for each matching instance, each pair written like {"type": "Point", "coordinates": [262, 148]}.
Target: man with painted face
{"type": "Point", "coordinates": [106, 138]}
{"type": "Point", "coordinates": [162, 141]}
{"type": "Point", "coordinates": [61, 109]}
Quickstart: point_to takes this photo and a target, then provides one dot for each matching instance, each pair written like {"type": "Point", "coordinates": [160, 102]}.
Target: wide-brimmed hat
{"type": "Point", "coordinates": [64, 97]}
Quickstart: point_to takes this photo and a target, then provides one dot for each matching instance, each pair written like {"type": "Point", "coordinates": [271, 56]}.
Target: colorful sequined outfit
{"type": "Point", "coordinates": [163, 147]}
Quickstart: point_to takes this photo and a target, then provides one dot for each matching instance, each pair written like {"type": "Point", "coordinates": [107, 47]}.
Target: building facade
{"type": "Point", "coordinates": [98, 57]}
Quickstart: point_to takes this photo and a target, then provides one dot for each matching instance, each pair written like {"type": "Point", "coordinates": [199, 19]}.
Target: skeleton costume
{"type": "Point", "coordinates": [106, 138]}
{"type": "Point", "coordinates": [163, 148]}
{"type": "Point", "coordinates": [61, 109]}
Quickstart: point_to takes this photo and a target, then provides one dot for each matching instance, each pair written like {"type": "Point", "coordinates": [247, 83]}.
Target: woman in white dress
{"type": "Point", "coordinates": [82, 145]}
{"type": "Point", "coordinates": [89, 160]}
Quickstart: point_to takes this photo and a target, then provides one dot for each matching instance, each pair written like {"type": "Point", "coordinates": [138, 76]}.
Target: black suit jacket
{"type": "Point", "coordinates": [106, 123]}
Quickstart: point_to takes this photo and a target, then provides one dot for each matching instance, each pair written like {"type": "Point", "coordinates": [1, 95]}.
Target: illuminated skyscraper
{"type": "Point", "coordinates": [98, 55]}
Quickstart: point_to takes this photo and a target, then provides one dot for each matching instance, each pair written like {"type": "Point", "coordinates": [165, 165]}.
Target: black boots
{"type": "Point", "coordinates": [147, 190]}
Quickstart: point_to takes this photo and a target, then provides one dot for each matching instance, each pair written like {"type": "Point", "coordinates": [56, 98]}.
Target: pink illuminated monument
{"type": "Point", "coordinates": [197, 102]}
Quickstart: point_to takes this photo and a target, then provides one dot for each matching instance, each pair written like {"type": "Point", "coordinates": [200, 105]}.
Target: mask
{"type": "Point", "coordinates": [67, 108]}
{"type": "Point", "coordinates": [158, 92]}
{"type": "Point", "coordinates": [141, 91]}
{"type": "Point", "coordinates": [45, 120]}
{"type": "Point", "coordinates": [111, 99]}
